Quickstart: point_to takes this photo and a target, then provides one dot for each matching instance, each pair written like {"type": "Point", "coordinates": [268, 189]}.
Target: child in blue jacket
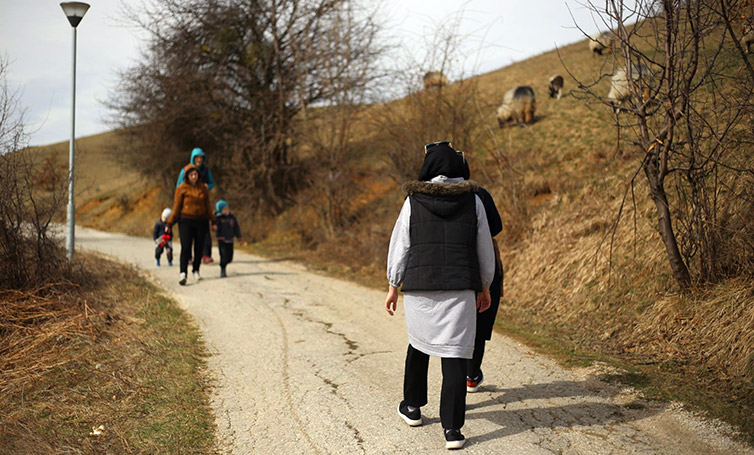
{"type": "Point", "coordinates": [227, 229]}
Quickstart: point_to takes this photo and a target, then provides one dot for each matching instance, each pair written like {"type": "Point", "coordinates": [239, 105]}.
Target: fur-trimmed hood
{"type": "Point", "coordinates": [440, 189]}
{"type": "Point", "coordinates": [442, 199]}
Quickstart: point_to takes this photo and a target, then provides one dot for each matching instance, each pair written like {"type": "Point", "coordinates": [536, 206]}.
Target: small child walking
{"type": "Point", "coordinates": [163, 239]}
{"type": "Point", "coordinates": [227, 229]}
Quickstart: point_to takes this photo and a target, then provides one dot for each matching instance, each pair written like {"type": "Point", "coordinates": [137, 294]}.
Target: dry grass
{"type": "Point", "coordinates": [115, 353]}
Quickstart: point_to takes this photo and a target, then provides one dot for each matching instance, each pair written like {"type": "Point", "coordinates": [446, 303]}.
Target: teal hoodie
{"type": "Point", "coordinates": [205, 175]}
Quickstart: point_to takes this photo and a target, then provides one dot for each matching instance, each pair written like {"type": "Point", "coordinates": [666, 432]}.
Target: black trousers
{"type": "Point", "coordinates": [485, 322]}
{"type": "Point", "coordinates": [207, 250]}
{"type": "Point", "coordinates": [452, 395]}
{"type": "Point", "coordinates": [192, 232]}
{"type": "Point", "coordinates": [226, 252]}
{"type": "Point", "coordinates": [168, 248]}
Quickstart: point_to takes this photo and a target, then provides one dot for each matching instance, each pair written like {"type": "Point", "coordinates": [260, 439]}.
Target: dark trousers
{"type": "Point", "coordinates": [452, 395]}
{"type": "Point", "coordinates": [192, 232]}
{"type": "Point", "coordinates": [474, 364]}
{"type": "Point", "coordinates": [168, 248]}
{"type": "Point", "coordinates": [226, 252]}
{"type": "Point", "coordinates": [207, 249]}
{"type": "Point", "coordinates": [485, 322]}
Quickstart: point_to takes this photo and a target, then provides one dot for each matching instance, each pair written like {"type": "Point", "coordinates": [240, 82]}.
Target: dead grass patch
{"type": "Point", "coordinates": [114, 355]}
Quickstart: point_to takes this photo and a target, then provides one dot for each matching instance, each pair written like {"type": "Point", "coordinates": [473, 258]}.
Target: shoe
{"type": "Point", "coordinates": [157, 262]}
{"type": "Point", "coordinates": [182, 281]}
{"type": "Point", "coordinates": [207, 259]}
{"type": "Point", "coordinates": [197, 277]}
{"type": "Point", "coordinates": [411, 415]}
{"type": "Point", "coordinates": [170, 263]}
{"type": "Point", "coordinates": [222, 273]}
{"type": "Point", "coordinates": [472, 384]}
{"type": "Point", "coordinates": [454, 439]}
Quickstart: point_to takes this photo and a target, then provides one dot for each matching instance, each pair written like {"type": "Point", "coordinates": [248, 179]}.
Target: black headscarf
{"type": "Point", "coordinates": [441, 159]}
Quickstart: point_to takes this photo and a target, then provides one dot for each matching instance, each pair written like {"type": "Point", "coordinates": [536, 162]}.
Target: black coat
{"type": "Point", "coordinates": [227, 227]}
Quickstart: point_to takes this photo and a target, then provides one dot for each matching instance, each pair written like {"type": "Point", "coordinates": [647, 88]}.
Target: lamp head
{"type": "Point", "coordinates": [74, 11]}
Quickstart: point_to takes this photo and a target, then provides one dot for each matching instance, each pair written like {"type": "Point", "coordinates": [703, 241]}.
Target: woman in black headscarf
{"type": "Point", "coordinates": [441, 254]}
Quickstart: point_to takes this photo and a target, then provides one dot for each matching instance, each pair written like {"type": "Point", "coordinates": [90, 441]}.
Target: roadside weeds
{"type": "Point", "coordinates": [120, 369]}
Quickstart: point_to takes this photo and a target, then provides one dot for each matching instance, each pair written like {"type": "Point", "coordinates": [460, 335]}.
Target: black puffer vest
{"type": "Point", "coordinates": [443, 232]}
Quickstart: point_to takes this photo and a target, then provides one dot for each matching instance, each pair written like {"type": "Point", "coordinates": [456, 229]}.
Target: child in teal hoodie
{"type": "Point", "coordinates": [227, 229]}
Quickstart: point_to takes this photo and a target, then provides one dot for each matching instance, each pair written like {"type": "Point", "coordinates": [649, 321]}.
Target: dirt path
{"type": "Point", "coordinates": [313, 365]}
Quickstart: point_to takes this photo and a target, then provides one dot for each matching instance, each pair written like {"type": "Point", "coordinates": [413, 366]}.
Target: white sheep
{"type": "Point", "coordinates": [620, 88]}
{"type": "Point", "coordinates": [434, 79]}
{"type": "Point", "coordinates": [602, 41]}
{"type": "Point", "coordinates": [519, 105]}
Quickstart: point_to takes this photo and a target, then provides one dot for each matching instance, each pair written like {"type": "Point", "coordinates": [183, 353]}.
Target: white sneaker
{"type": "Point", "coordinates": [182, 281]}
{"type": "Point", "coordinates": [197, 277]}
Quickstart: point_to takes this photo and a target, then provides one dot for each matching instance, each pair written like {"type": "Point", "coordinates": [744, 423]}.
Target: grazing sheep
{"type": "Point", "coordinates": [556, 86]}
{"type": "Point", "coordinates": [434, 79]}
{"type": "Point", "coordinates": [747, 32]}
{"type": "Point", "coordinates": [518, 106]}
{"type": "Point", "coordinates": [620, 88]}
{"type": "Point", "coordinates": [601, 42]}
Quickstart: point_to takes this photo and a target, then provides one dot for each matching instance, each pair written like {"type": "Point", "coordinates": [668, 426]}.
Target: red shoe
{"type": "Point", "coordinates": [207, 259]}
{"type": "Point", "coordinates": [472, 384]}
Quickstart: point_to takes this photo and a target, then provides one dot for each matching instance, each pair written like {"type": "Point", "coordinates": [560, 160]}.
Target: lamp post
{"type": "Point", "coordinates": [74, 11]}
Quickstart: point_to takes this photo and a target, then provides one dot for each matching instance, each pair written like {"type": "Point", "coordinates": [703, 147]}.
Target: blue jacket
{"type": "Point", "coordinates": [205, 175]}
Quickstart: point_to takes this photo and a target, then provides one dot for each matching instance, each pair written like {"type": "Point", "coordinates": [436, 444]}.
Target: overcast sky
{"type": "Point", "coordinates": [36, 38]}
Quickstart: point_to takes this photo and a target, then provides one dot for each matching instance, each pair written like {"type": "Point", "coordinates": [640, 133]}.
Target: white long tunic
{"type": "Point", "coordinates": [440, 323]}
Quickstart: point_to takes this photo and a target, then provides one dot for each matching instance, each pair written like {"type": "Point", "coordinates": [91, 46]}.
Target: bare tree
{"type": "Point", "coordinates": [233, 76]}
{"type": "Point", "coordinates": [29, 252]}
{"type": "Point", "coordinates": [691, 120]}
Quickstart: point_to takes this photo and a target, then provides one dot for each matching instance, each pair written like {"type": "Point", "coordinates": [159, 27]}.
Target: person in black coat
{"type": "Point", "coordinates": [485, 321]}
{"type": "Point", "coordinates": [227, 230]}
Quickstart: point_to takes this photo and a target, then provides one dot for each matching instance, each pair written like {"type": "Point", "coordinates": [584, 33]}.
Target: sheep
{"type": "Point", "coordinates": [518, 106]}
{"type": "Point", "coordinates": [620, 89]}
{"type": "Point", "coordinates": [556, 86]}
{"type": "Point", "coordinates": [747, 32]}
{"type": "Point", "coordinates": [434, 79]}
{"type": "Point", "coordinates": [601, 42]}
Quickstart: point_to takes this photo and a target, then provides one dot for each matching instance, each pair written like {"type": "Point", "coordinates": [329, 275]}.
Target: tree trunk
{"type": "Point", "coordinates": [680, 271]}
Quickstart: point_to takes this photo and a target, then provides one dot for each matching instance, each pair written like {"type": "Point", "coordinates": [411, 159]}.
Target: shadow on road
{"type": "Point", "coordinates": [266, 261]}
{"type": "Point", "coordinates": [239, 275]}
{"type": "Point", "coordinates": [584, 413]}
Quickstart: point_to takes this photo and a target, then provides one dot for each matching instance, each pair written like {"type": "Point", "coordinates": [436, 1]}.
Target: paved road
{"type": "Point", "coordinates": [307, 364]}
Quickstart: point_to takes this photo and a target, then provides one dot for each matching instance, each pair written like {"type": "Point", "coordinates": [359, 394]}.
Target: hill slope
{"type": "Point", "coordinates": [572, 284]}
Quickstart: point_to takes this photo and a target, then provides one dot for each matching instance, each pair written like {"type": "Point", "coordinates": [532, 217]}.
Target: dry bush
{"type": "Point", "coordinates": [30, 253]}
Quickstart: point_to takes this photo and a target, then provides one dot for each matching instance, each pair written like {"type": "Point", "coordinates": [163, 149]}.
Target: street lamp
{"type": "Point", "coordinates": [74, 11]}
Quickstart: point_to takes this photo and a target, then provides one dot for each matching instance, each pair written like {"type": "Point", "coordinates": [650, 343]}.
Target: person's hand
{"type": "Point", "coordinates": [483, 300]}
{"type": "Point", "coordinates": [167, 228]}
{"type": "Point", "coordinates": [391, 300]}
{"type": "Point", "coordinates": [214, 227]}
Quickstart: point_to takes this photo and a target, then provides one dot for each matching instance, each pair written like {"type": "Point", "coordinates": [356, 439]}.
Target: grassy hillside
{"type": "Point", "coordinates": [108, 194]}
{"type": "Point", "coordinates": [576, 282]}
